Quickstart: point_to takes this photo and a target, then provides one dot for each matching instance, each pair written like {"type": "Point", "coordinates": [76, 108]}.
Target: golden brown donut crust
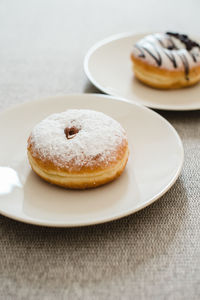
{"type": "Point", "coordinates": [80, 180]}
{"type": "Point", "coordinates": [162, 78]}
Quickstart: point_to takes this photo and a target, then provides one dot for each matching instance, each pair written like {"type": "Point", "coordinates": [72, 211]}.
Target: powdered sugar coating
{"type": "Point", "coordinates": [100, 140]}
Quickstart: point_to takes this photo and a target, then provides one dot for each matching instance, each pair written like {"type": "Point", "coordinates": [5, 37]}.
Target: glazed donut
{"type": "Point", "coordinates": [167, 60]}
{"type": "Point", "coordinates": [78, 149]}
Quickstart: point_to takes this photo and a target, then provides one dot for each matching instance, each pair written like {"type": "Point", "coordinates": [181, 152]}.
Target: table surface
{"type": "Point", "coordinates": [153, 254]}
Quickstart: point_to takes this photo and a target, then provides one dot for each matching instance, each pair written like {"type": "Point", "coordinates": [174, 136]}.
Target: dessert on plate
{"type": "Point", "coordinates": [78, 149]}
{"type": "Point", "coordinates": [167, 60]}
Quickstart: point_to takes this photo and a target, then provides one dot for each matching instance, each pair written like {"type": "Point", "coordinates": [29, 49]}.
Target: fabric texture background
{"type": "Point", "coordinates": [153, 254]}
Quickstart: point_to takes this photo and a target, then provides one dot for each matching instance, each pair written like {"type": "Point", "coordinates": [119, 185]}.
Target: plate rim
{"type": "Point", "coordinates": [114, 216]}
{"type": "Point", "coordinates": [115, 37]}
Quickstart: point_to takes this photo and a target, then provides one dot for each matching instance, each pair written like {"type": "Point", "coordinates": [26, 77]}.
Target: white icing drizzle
{"type": "Point", "coordinates": [166, 51]}
{"type": "Point", "coordinates": [98, 139]}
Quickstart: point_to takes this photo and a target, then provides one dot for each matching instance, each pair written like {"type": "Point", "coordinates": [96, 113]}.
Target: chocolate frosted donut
{"type": "Point", "coordinates": [169, 60]}
{"type": "Point", "coordinates": [78, 149]}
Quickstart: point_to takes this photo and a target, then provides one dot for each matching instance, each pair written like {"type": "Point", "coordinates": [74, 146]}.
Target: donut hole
{"type": "Point", "coordinates": [71, 132]}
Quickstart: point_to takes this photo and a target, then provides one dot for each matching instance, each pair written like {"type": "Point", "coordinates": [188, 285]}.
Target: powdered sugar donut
{"type": "Point", "coordinates": [78, 149]}
{"type": "Point", "coordinates": [167, 60]}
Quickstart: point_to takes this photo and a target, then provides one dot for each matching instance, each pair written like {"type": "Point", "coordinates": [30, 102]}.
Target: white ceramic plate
{"type": "Point", "coordinates": [156, 157]}
{"type": "Point", "coordinates": [109, 68]}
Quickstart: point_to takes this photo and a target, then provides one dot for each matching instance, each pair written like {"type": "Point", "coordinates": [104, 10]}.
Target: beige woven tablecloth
{"type": "Point", "coordinates": [154, 254]}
